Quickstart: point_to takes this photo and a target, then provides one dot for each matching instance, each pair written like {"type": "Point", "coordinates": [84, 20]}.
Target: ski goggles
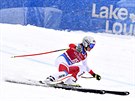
{"type": "Point", "coordinates": [91, 45]}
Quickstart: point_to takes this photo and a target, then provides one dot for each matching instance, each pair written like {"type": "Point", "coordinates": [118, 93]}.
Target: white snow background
{"type": "Point", "coordinates": [113, 57]}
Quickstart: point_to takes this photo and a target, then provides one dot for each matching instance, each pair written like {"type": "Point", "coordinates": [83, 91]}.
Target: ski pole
{"type": "Point", "coordinates": [37, 53]}
{"type": "Point", "coordinates": [86, 77]}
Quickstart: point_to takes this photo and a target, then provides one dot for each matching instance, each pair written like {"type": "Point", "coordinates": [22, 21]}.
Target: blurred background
{"type": "Point", "coordinates": [114, 16]}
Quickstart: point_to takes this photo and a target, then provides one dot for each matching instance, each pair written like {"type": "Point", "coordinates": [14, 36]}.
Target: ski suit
{"type": "Point", "coordinates": [68, 62]}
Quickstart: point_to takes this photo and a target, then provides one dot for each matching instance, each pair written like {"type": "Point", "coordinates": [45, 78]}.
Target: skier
{"type": "Point", "coordinates": [67, 62]}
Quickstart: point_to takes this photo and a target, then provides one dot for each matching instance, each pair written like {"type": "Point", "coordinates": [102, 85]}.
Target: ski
{"type": "Point", "coordinates": [67, 87]}
{"type": "Point", "coordinates": [79, 89]}
{"type": "Point", "coordinates": [117, 92]}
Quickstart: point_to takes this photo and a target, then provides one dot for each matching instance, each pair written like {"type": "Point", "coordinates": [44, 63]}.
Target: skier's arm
{"type": "Point", "coordinates": [72, 46]}
{"type": "Point", "coordinates": [77, 47]}
{"type": "Point", "coordinates": [90, 71]}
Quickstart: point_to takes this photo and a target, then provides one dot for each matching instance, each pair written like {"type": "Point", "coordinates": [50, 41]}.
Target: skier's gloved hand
{"type": "Point", "coordinates": [79, 48]}
{"type": "Point", "coordinates": [98, 77]}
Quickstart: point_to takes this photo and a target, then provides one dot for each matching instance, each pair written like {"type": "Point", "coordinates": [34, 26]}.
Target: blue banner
{"type": "Point", "coordinates": [109, 16]}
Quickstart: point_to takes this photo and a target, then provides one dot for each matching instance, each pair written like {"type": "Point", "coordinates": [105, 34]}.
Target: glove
{"type": "Point", "coordinates": [79, 48]}
{"type": "Point", "coordinates": [98, 77]}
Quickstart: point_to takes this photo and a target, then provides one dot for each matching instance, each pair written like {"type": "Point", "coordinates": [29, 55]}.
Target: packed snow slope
{"type": "Point", "coordinates": [113, 57]}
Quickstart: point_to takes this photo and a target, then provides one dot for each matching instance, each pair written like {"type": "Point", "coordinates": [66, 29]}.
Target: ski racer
{"type": "Point", "coordinates": [67, 62]}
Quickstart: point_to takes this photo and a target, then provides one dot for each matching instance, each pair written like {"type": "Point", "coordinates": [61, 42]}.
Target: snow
{"type": "Point", "coordinates": [113, 57]}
